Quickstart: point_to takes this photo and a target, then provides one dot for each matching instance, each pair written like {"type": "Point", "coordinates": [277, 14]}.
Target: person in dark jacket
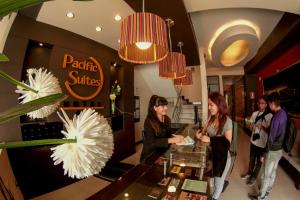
{"type": "Point", "coordinates": [157, 128]}
{"type": "Point", "coordinates": [274, 146]}
{"type": "Point", "coordinates": [218, 131]}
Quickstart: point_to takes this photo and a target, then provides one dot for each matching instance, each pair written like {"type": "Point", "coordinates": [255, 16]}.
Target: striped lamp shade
{"type": "Point", "coordinates": [185, 81]}
{"type": "Point", "coordinates": [173, 66]}
{"type": "Point", "coordinates": [144, 28]}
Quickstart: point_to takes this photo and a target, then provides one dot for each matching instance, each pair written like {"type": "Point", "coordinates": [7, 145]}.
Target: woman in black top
{"type": "Point", "coordinates": [157, 128]}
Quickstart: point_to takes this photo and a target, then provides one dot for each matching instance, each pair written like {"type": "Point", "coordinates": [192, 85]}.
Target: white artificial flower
{"type": "Point", "coordinates": [118, 89]}
{"type": "Point", "coordinates": [46, 84]}
{"type": "Point", "coordinates": [93, 148]}
{"type": "Point", "coordinates": [112, 96]}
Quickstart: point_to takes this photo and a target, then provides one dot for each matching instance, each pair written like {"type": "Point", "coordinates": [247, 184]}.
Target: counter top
{"type": "Point", "coordinates": [142, 178]}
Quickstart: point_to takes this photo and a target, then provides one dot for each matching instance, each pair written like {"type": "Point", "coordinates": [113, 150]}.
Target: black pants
{"type": "Point", "coordinates": [255, 163]}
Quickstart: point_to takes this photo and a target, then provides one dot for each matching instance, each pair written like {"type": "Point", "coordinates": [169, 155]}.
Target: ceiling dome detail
{"type": "Point", "coordinates": [234, 46]}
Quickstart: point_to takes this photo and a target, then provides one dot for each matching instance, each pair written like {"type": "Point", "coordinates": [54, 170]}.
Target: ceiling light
{"type": "Point", "coordinates": [118, 17]}
{"type": "Point", "coordinates": [143, 38]}
{"type": "Point", "coordinates": [185, 81]}
{"type": "Point", "coordinates": [119, 40]}
{"type": "Point", "coordinates": [70, 15]}
{"type": "Point", "coordinates": [98, 28]}
{"type": "Point", "coordinates": [143, 45]}
{"type": "Point", "coordinates": [229, 25]}
{"type": "Point", "coordinates": [235, 52]}
{"type": "Point", "coordinates": [41, 44]}
{"type": "Point", "coordinates": [174, 65]}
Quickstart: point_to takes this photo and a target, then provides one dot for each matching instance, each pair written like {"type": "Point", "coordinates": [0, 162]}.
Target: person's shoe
{"type": "Point", "coordinates": [245, 176]}
{"type": "Point", "coordinates": [226, 183]}
{"type": "Point", "coordinates": [268, 191]}
{"type": "Point", "coordinates": [250, 181]}
{"type": "Point", "coordinates": [256, 197]}
{"type": "Point", "coordinates": [253, 197]}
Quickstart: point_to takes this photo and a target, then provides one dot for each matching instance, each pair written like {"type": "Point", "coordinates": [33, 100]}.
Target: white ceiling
{"type": "Point", "coordinates": [207, 22]}
{"type": "Point", "coordinates": [292, 6]}
{"type": "Point", "coordinates": [88, 15]}
{"type": "Point", "coordinates": [206, 17]}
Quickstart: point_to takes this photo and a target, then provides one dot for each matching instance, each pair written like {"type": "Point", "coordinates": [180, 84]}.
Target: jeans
{"type": "Point", "coordinates": [269, 172]}
{"type": "Point", "coordinates": [219, 181]}
{"type": "Point", "coordinates": [255, 163]}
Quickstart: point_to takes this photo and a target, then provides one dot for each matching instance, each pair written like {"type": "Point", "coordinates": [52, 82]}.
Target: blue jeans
{"type": "Point", "coordinates": [269, 171]}
{"type": "Point", "coordinates": [219, 181]}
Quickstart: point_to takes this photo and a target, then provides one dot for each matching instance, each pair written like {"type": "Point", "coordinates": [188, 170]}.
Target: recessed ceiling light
{"type": "Point", "coordinates": [98, 28]}
{"type": "Point", "coordinates": [118, 17]}
{"type": "Point", "coordinates": [235, 52]}
{"type": "Point", "coordinates": [41, 44]}
{"type": "Point", "coordinates": [70, 15]}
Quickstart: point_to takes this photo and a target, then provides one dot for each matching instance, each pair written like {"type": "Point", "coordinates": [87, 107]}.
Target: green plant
{"type": "Point", "coordinates": [8, 6]}
{"type": "Point", "coordinates": [3, 58]}
{"type": "Point", "coordinates": [27, 107]}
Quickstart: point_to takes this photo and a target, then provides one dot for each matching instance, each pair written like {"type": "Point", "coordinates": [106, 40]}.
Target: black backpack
{"type": "Point", "coordinates": [290, 135]}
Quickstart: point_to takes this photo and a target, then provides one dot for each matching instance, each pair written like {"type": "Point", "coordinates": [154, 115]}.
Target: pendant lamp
{"type": "Point", "coordinates": [173, 66]}
{"type": "Point", "coordinates": [185, 81]}
{"type": "Point", "coordinates": [143, 38]}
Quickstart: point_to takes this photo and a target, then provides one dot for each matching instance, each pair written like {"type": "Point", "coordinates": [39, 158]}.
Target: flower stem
{"type": "Point", "coordinates": [32, 143]}
{"type": "Point", "coordinates": [3, 58]}
{"type": "Point", "coordinates": [13, 81]}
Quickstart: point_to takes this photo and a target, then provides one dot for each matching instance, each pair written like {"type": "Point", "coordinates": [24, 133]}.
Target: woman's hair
{"type": "Point", "coordinates": [219, 100]}
{"type": "Point", "coordinates": [264, 97]}
{"type": "Point", "coordinates": [152, 116]}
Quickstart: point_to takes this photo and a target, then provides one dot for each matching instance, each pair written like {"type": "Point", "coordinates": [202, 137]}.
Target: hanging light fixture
{"type": "Point", "coordinates": [173, 66]}
{"type": "Point", "coordinates": [185, 81]}
{"type": "Point", "coordinates": [143, 38]}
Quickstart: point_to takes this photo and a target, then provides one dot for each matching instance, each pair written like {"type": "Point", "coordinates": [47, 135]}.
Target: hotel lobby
{"type": "Point", "coordinates": [77, 78]}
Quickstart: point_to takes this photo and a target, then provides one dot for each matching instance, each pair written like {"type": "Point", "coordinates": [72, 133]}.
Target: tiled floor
{"type": "Point", "coordinates": [237, 190]}
{"type": "Point", "coordinates": [283, 189]}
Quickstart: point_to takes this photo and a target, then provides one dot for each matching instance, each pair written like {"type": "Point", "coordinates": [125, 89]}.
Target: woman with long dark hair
{"type": "Point", "coordinates": [218, 131]}
{"type": "Point", "coordinates": [157, 127]}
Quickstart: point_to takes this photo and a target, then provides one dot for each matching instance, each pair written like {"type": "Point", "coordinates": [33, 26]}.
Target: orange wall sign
{"type": "Point", "coordinates": [91, 65]}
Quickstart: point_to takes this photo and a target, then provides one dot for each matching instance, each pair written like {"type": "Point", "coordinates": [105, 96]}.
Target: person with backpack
{"type": "Point", "coordinates": [274, 146]}
{"type": "Point", "coordinates": [260, 121]}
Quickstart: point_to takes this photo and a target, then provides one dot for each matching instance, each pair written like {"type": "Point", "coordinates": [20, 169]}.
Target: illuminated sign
{"type": "Point", "coordinates": [75, 78]}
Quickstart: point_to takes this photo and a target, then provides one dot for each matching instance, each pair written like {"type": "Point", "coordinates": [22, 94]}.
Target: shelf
{"type": "Point", "coordinates": [82, 108]}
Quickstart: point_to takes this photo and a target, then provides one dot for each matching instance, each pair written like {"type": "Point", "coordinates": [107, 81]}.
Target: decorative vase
{"type": "Point", "coordinates": [113, 107]}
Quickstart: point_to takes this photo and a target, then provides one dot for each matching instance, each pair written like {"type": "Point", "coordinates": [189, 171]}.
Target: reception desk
{"type": "Point", "coordinates": [143, 178]}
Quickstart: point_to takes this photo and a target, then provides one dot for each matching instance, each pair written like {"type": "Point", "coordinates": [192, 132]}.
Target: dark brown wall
{"type": "Point", "coordinates": [65, 42]}
{"type": "Point", "coordinates": [80, 48]}
{"type": "Point", "coordinates": [250, 86]}
{"type": "Point", "coordinates": [25, 29]}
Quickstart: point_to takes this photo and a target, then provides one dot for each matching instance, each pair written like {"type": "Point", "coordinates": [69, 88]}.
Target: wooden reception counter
{"type": "Point", "coordinates": [143, 178]}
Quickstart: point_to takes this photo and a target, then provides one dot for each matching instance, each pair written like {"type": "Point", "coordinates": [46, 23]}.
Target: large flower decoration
{"type": "Point", "coordinates": [45, 84]}
{"type": "Point", "coordinates": [93, 148]}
